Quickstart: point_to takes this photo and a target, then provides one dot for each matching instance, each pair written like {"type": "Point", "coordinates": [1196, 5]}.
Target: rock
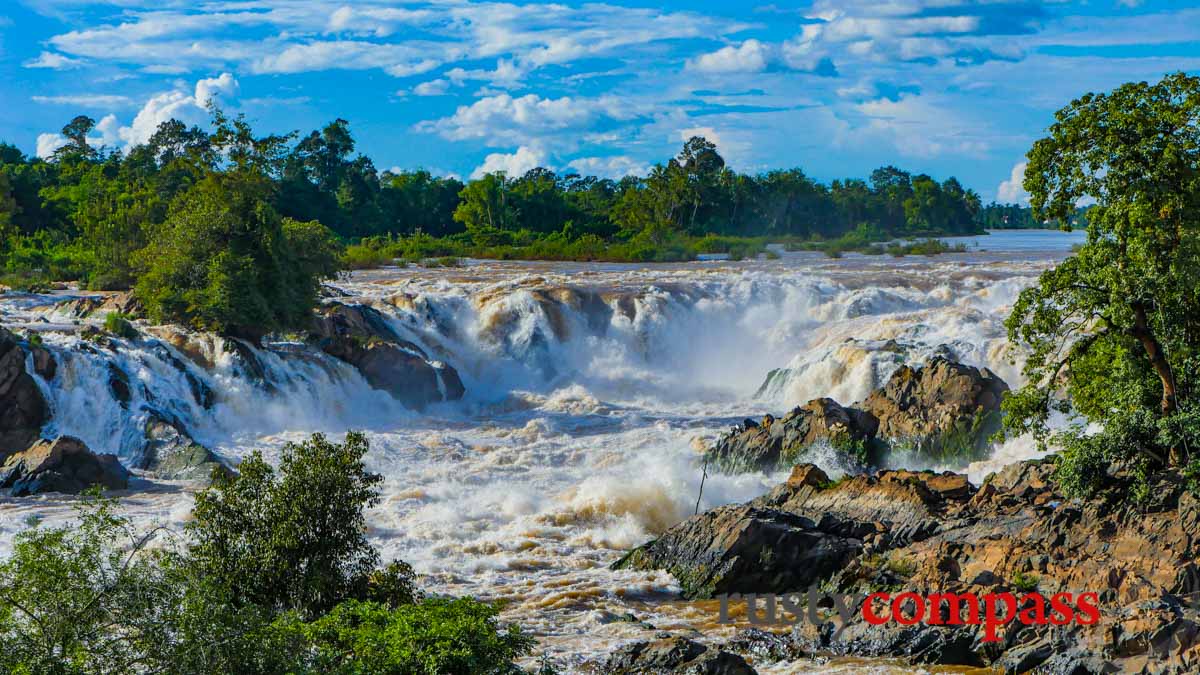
{"type": "Point", "coordinates": [23, 409]}
{"type": "Point", "coordinates": [85, 306]}
{"type": "Point", "coordinates": [44, 363]}
{"type": "Point", "coordinates": [943, 408]}
{"type": "Point", "coordinates": [806, 475]}
{"type": "Point", "coordinates": [744, 549]}
{"type": "Point", "coordinates": [674, 656]}
{"type": "Point", "coordinates": [118, 384]}
{"type": "Point", "coordinates": [766, 446]}
{"type": "Point", "coordinates": [170, 452]}
{"type": "Point", "coordinates": [64, 465]}
{"type": "Point", "coordinates": [360, 336]}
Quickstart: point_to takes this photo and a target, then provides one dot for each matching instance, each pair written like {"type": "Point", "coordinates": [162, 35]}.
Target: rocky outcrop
{"type": "Point", "coordinates": [803, 532]}
{"type": "Point", "coordinates": [772, 442]}
{"type": "Point", "coordinates": [23, 409]}
{"type": "Point", "coordinates": [674, 656]}
{"type": "Point", "coordinates": [943, 409]}
{"type": "Point", "coordinates": [360, 336]}
{"type": "Point", "coordinates": [65, 465]}
{"type": "Point", "coordinates": [88, 305]}
{"type": "Point", "coordinates": [171, 454]}
{"type": "Point", "coordinates": [1016, 533]}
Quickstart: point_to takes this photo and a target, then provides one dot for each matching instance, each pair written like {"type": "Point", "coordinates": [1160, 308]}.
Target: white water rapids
{"type": "Point", "coordinates": [591, 390]}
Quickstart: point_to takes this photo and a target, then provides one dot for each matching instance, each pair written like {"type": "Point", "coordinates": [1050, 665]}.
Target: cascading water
{"type": "Point", "coordinates": [591, 390]}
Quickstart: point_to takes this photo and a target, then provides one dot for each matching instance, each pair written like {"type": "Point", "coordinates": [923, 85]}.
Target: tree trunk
{"type": "Point", "coordinates": [1162, 368]}
{"type": "Point", "coordinates": [1154, 351]}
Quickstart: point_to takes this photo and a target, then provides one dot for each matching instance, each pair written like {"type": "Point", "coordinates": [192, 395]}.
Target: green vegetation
{"type": "Point", "coordinates": [273, 575]}
{"type": "Point", "coordinates": [226, 230]}
{"type": "Point", "coordinates": [119, 324]}
{"type": "Point", "coordinates": [1025, 583]}
{"type": "Point", "coordinates": [1113, 333]}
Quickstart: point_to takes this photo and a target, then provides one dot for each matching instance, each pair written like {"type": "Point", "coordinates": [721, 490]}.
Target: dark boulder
{"type": "Point", "coordinates": [744, 549]}
{"type": "Point", "coordinates": [170, 452]}
{"type": "Point", "coordinates": [23, 409]}
{"type": "Point", "coordinates": [65, 465]}
{"type": "Point", "coordinates": [674, 656]}
{"type": "Point", "coordinates": [360, 336]}
{"type": "Point", "coordinates": [943, 409]}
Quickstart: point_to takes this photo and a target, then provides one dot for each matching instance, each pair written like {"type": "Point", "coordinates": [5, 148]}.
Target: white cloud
{"type": "Point", "coordinates": [1012, 191]}
{"type": "Point", "coordinates": [615, 167]}
{"type": "Point", "coordinates": [86, 100]}
{"type": "Point", "coordinates": [53, 61]}
{"type": "Point", "coordinates": [48, 143]}
{"type": "Point", "coordinates": [513, 165]}
{"type": "Point", "coordinates": [751, 57]}
{"type": "Point", "coordinates": [432, 88]}
{"type": "Point", "coordinates": [504, 120]}
{"type": "Point", "coordinates": [189, 107]}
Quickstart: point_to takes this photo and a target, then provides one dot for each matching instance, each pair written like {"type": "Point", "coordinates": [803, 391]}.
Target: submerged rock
{"type": "Point", "coordinates": [23, 409]}
{"type": "Point", "coordinates": [674, 656]}
{"type": "Point", "coordinates": [943, 409]}
{"type": "Point", "coordinates": [65, 465]}
{"type": "Point", "coordinates": [170, 452]}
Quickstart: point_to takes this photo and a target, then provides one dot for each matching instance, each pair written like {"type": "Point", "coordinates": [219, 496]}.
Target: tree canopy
{"type": "Point", "coordinates": [1113, 332]}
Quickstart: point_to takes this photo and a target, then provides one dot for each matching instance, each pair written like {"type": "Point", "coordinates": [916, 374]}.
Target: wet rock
{"type": "Point", "coordinates": [943, 408]}
{"type": "Point", "coordinates": [23, 409]}
{"type": "Point", "coordinates": [118, 384]}
{"type": "Point", "coordinates": [674, 656]}
{"type": "Point", "coordinates": [170, 452]}
{"type": "Point", "coordinates": [360, 336]}
{"type": "Point", "coordinates": [65, 465]}
{"type": "Point", "coordinates": [744, 549]}
{"type": "Point", "coordinates": [44, 363]}
{"type": "Point", "coordinates": [85, 306]}
{"type": "Point", "coordinates": [784, 440]}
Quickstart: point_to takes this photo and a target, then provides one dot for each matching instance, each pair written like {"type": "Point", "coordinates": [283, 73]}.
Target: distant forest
{"type": "Point", "coordinates": [85, 211]}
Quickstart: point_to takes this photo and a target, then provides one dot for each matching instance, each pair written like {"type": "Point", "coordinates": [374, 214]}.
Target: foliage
{"type": "Point", "coordinates": [272, 576]}
{"type": "Point", "coordinates": [1112, 333]}
{"type": "Point", "coordinates": [436, 636]}
{"type": "Point", "coordinates": [225, 260]}
{"type": "Point", "coordinates": [295, 541]}
{"type": "Point", "coordinates": [83, 598]}
{"type": "Point", "coordinates": [1025, 583]}
{"type": "Point", "coordinates": [119, 324]}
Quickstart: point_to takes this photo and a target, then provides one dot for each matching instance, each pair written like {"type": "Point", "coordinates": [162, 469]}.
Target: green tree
{"type": "Point", "coordinates": [224, 260]}
{"type": "Point", "coordinates": [294, 541]}
{"type": "Point", "coordinates": [1113, 332]}
{"type": "Point", "coordinates": [485, 208]}
{"type": "Point", "coordinates": [83, 598]}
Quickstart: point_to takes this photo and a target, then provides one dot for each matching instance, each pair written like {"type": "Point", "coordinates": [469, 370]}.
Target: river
{"type": "Point", "coordinates": [582, 428]}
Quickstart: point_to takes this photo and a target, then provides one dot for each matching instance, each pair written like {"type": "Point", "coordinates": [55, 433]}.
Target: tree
{"type": "Point", "coordinates": [224, 260]}
{"type": "Point", "coordinates": [84, 598]}
{"type": "Point", "coordinates": [76, 132]}
{"type": "Point", "coordinates": [1113, 333]}
{"type": "Point", "coordinates": [485, 208]}
{"type": "Point", "coordinates": [294, 541]}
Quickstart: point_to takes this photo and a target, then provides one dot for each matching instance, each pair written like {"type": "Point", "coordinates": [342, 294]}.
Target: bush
{"type": "Point", "coordinates": [435, 636]}
{"type": "Point", "coordinates": [119, 324]}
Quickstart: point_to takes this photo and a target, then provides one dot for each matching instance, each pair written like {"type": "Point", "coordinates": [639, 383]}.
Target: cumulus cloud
{"type": "Point", "coordinates": [504, 120]}
{"type": "Point", "coordinates": [432, 88]}
{"type": "Point", "coordinates": [515, 164]}
{"type": "Point", "coordinates": [615, 167]}
{"type": "Point", "coordinates": [1012, 191]}
{"type": "Point", "coordinates": [751, 56]}
{"type": "Point", "coordinates": [189, 106]}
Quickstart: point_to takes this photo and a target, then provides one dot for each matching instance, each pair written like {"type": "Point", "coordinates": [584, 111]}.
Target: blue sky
{"type": "Point", "coordinates": [948, 87]}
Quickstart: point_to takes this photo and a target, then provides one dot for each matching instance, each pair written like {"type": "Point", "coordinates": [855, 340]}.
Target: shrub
{"type": "Point", "coordinates": [119, 324]}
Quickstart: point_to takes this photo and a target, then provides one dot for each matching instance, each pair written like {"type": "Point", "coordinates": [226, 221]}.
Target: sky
{"type": "Point", "coordinates": [837, 88]}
